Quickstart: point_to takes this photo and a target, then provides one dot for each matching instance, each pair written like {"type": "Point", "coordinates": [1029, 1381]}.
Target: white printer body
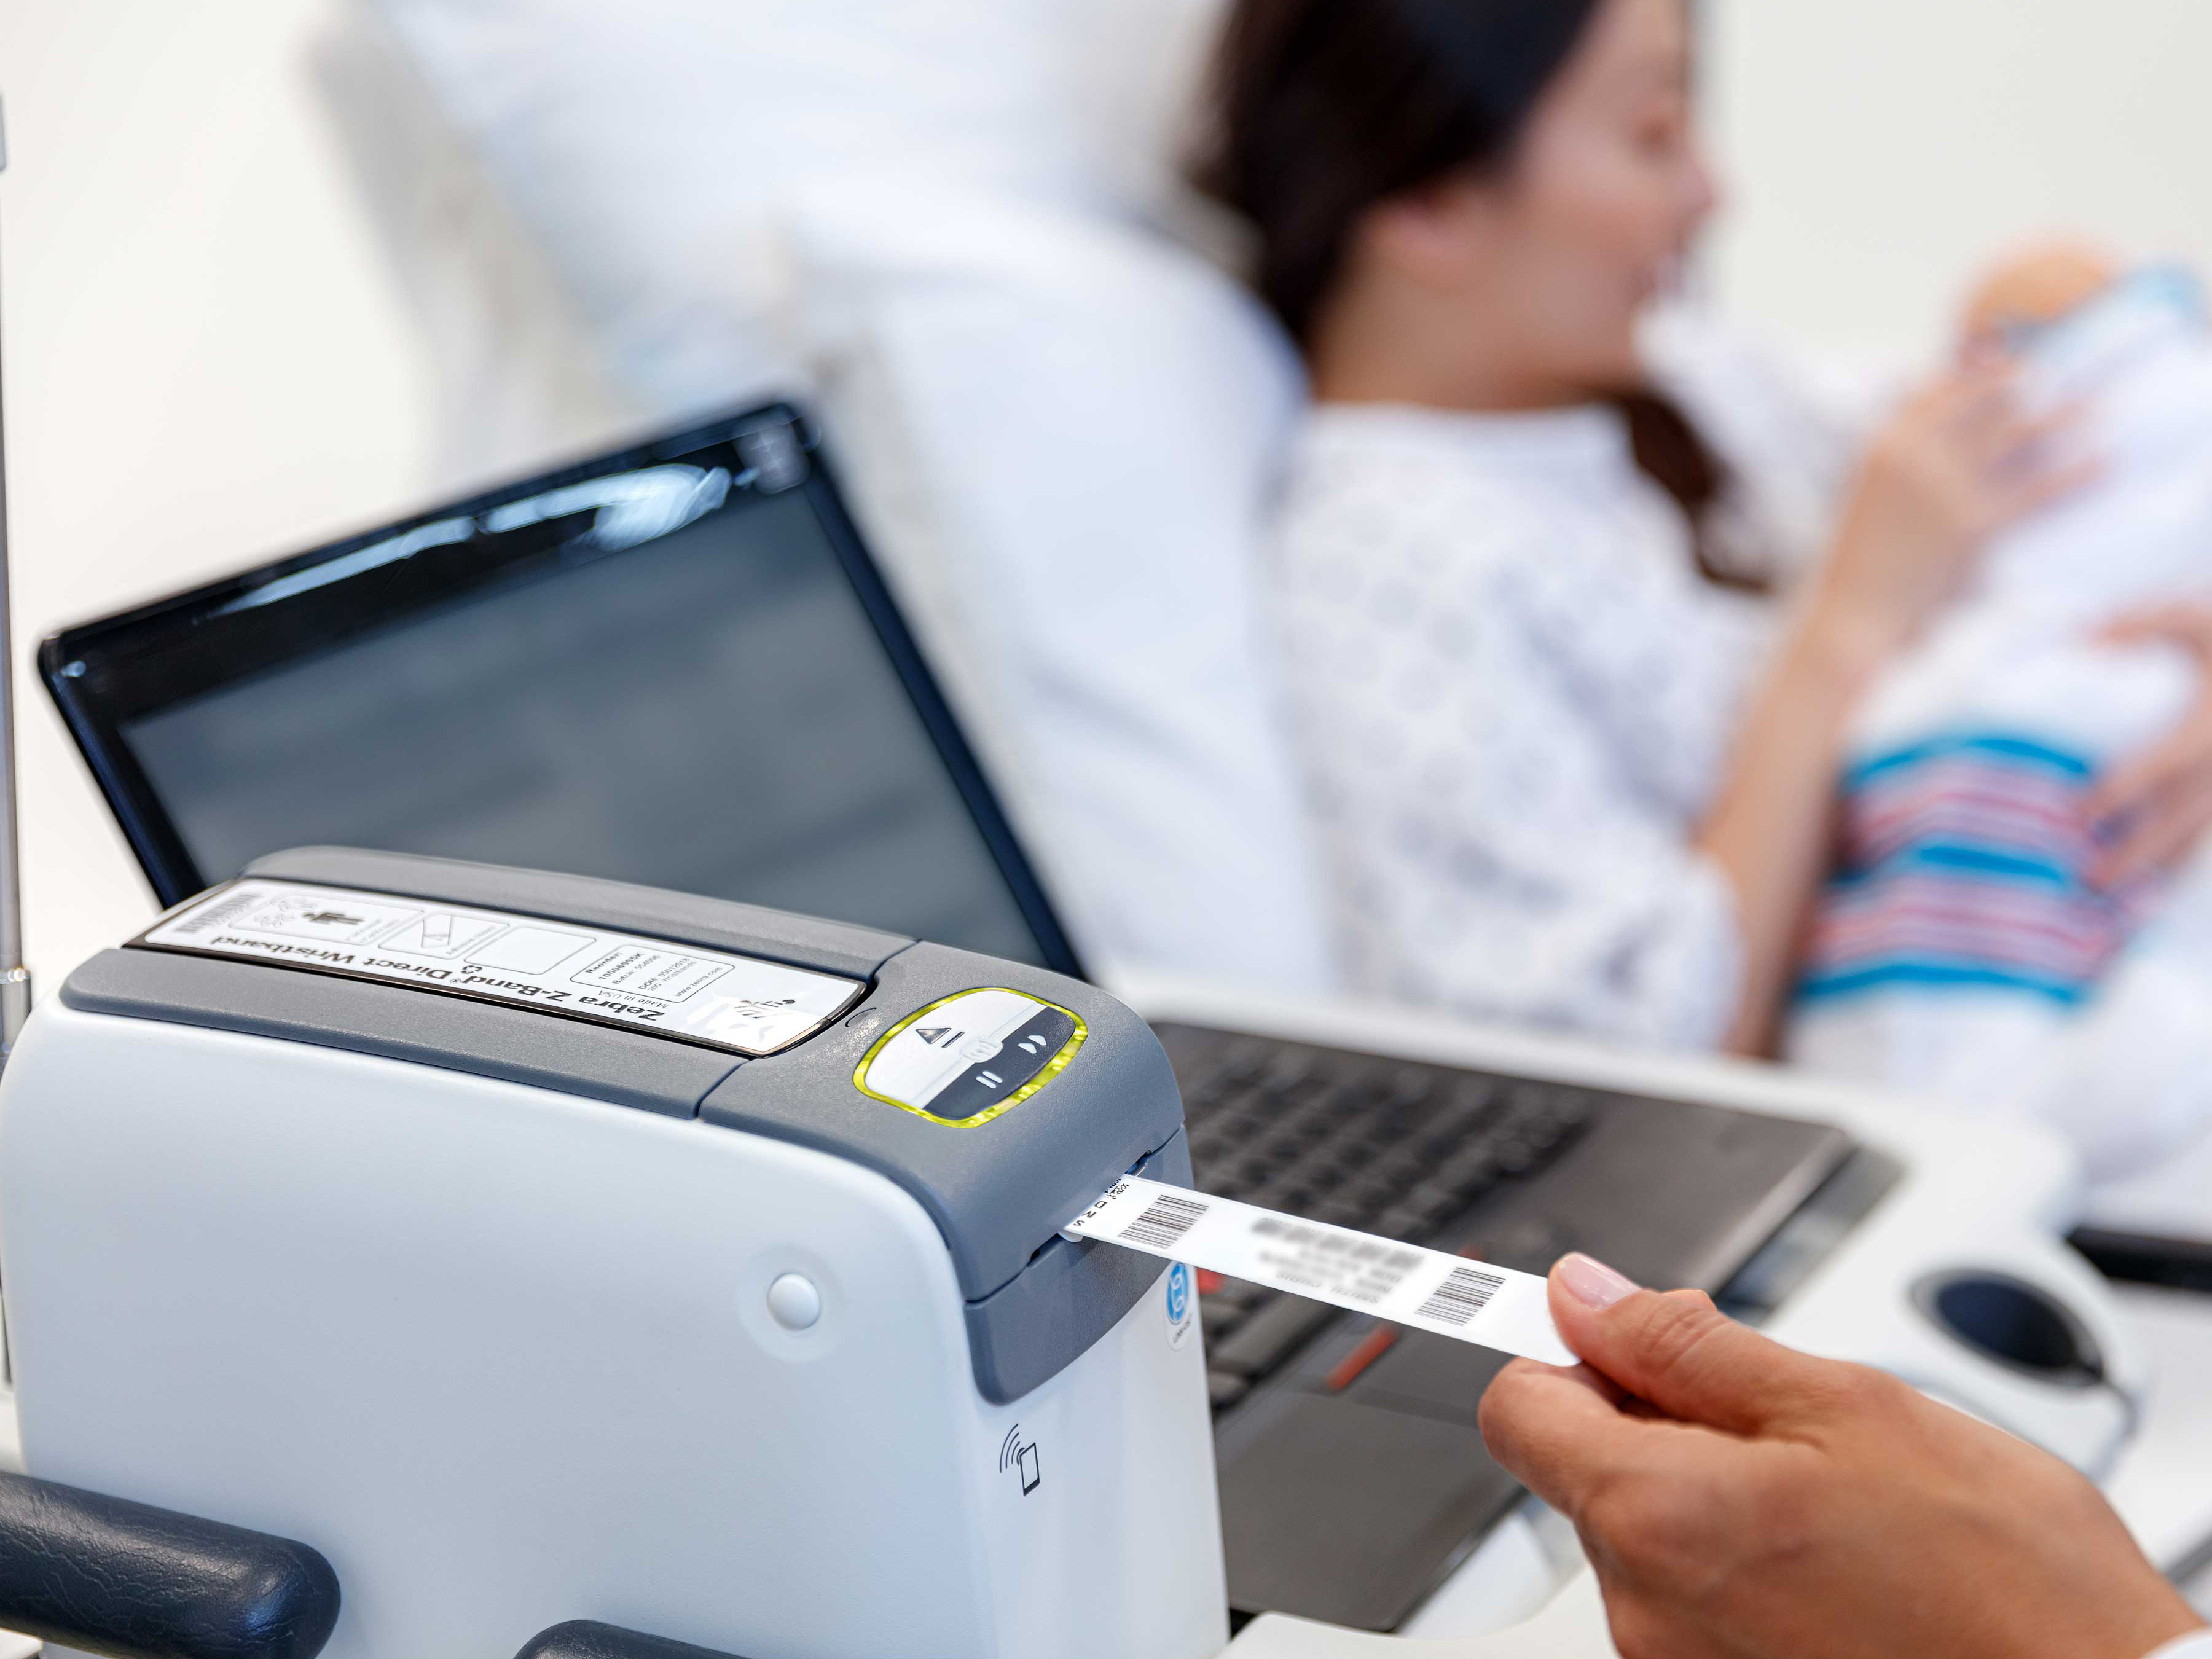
{"type": "Point", "coordinates": [522, 1300]}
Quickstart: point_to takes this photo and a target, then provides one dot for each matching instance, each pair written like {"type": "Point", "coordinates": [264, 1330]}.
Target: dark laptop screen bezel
{"type": "Point", "coordinates": [105, 674]}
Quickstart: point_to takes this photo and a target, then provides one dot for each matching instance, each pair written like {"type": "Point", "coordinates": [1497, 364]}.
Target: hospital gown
{"type": "Point", "coordinates": [1514, 694]}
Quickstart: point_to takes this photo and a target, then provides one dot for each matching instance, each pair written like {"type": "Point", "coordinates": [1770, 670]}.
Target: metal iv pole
{"type": "Point", "coordinates": [14, 977]}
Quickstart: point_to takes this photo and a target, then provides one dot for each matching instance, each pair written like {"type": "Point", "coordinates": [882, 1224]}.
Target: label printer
{"type": "Point", "coordinates": [408, 1259]}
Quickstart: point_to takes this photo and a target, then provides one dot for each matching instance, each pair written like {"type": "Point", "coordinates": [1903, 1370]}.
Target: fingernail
{"type": "Point", "coordinates": [1592, 1283]}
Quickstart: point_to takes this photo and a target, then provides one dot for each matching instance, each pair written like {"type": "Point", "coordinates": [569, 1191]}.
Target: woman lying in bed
{"type": "Point", "coordinates": [1579, 604]}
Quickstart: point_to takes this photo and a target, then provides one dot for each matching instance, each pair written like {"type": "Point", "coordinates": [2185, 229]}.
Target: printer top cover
{"type": "Point", "coordinates": [1003, 1097]}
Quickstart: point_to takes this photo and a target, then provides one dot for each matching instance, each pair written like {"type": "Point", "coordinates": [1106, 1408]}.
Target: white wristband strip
{"type": "Point", "coordinates": [1450, 1295]}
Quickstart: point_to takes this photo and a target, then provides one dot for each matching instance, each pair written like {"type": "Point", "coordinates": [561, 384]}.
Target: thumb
{"type": "Point", "coordinates": [1677, 1352]}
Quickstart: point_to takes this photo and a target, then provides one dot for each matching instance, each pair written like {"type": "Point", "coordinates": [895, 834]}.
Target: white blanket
{"type": "Point", "coordinates": [1963, 950]}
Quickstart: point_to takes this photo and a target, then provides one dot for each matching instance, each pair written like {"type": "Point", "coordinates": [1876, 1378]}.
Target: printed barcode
{"type": "Point", "coordinates": [216, 915]}
{"type": "Point", "coordinates": [1462, 1296]}
{"type": "Point", "coordinates": [1354, 1245]}
{"type": "Point", "coordinates": [1167, 1220]}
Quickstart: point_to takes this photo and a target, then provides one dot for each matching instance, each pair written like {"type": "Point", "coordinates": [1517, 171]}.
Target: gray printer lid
{"type": "Point", "coordinates": [998, 1190]}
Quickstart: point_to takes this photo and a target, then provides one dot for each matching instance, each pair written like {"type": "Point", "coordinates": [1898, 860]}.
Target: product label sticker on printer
{"type": "Point", "coordinates": [968, 1059]}
{"type": "Point", "coordinates": [711, 998]}
{"type": "Point", "coordinates": [1399, 1283]}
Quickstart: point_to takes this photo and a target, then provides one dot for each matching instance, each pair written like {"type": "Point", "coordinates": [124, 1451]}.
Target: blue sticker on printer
{"type": "Point", "coordinates": [1179, 1304]}
{"type": "Point", "coordinates": [971, 1058]}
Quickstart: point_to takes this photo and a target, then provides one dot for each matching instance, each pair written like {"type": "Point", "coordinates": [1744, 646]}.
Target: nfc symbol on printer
{"type": "Point", "coordinates": [1020, 1455]}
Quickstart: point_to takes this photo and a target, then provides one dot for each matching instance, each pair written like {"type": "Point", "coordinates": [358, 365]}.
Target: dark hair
{"type": "Point", "coordinates": [1324, 109]}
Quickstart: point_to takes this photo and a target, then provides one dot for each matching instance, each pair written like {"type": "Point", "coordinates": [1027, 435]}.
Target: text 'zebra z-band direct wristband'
{"type": "Point", "coordinates": [1401, 1284]}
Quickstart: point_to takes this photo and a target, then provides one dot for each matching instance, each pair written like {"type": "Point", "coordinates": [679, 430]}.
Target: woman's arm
{"type": "Point", "coordinates": [1771, 830]}
{"type": "Point", "coordinates": [1961, 462]}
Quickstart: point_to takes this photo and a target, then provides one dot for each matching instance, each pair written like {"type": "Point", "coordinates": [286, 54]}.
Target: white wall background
{"type": "Point", "coordinates": [207, 362]}
{"type": "Point", "coordinates": [1879, 149]}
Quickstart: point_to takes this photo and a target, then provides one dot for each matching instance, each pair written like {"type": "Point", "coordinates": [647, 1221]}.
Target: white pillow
{"type": "Point", "coordinates": [654, 145]}
{"type": "Point", "coordinates": [1135, 68]}
{"type": "Point", "coordinates": [1058, 429]}
{"type": "Point", "coordinates": [1065, 433]}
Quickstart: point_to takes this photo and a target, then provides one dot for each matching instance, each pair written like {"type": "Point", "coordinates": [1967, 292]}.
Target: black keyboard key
{"type": "Point", "coordinates": [1516, 1156]}
{"type": "Point", "coordinates": [1531, 1247]}
{"type": "Point", "coordinates": [1470, 1170]}
{"type": "Point", "coordinates": [1269, 1337]}
{"type": "Point", "coordinates": [1348, 1105]}
{"type": "Point", "coordinates": [1374, 1195]}
{"type": "Point", "coordinates": [1340, 1212]}
{"type": "Point", "coordinates": [1436, 1203]}
{"type": "Point", "coordinates": [1226, 1303]}
{"type": "Point", "coordinates": [1402, 1222]}
{"type": "Point", "coordinates": [1393, 1179]}
{"type": "Point", "coordinates": [1574, 1112]}
{"type": "Point", "coordinates": [1232, 1292]}
{"type": "Point", "coordinates": [1409, 1090]}
{"type": "Point", "coordinates": [1226, 1390]}
{"type": "Point", "coordinates": [1529, 1099]}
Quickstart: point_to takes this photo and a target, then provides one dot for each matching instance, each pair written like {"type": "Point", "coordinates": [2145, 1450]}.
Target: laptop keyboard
{"type": "Point", "coordinates": [1352, 1472]}
{"type": "Point", "coordinates": [1390, 1147]}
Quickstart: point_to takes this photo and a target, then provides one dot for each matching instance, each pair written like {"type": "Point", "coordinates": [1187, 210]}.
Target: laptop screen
{"type": "Point", "coordinates": [675, 667]}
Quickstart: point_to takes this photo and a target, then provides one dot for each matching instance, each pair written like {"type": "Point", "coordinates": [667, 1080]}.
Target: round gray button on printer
{"type": "Point", "coordinates": [795, 1302]}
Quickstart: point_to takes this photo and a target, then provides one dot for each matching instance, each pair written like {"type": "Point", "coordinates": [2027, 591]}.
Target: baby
{"type": "Point", "coordinates": [1962, 949]}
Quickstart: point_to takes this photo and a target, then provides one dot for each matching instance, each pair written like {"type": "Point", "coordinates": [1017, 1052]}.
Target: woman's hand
{"type": "Point", "coordinates": [2155, 810]}
{"type": "Point", "coordinates": [1739, 1500]}
{"type": "Point", "coordinates": [2040, 284]}
{"type": "Point", "coordinates": [1961, 462]}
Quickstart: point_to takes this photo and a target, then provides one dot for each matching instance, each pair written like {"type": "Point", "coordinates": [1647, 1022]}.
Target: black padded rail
{"type": "Point", "coordinates": [2177, 1264]}
{"type": "Point", "coordinates": [128, 1581]}
{"type": "Point", "coordinates": [582, 1639]}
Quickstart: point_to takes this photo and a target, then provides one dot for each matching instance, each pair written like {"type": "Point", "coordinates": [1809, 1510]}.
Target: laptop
{"type": "Point", "coordinates": [677, 664]}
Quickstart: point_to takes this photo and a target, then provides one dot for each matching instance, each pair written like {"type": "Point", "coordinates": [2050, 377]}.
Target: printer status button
{"type": "Point", "coordinates": [967, 1059]}
{"type": "Point", "coordinates": [994, 1079]}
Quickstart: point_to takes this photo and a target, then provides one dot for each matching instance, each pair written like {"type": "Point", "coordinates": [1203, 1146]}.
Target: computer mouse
{"type": "Point", "coordinates": [2016, 1324]}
